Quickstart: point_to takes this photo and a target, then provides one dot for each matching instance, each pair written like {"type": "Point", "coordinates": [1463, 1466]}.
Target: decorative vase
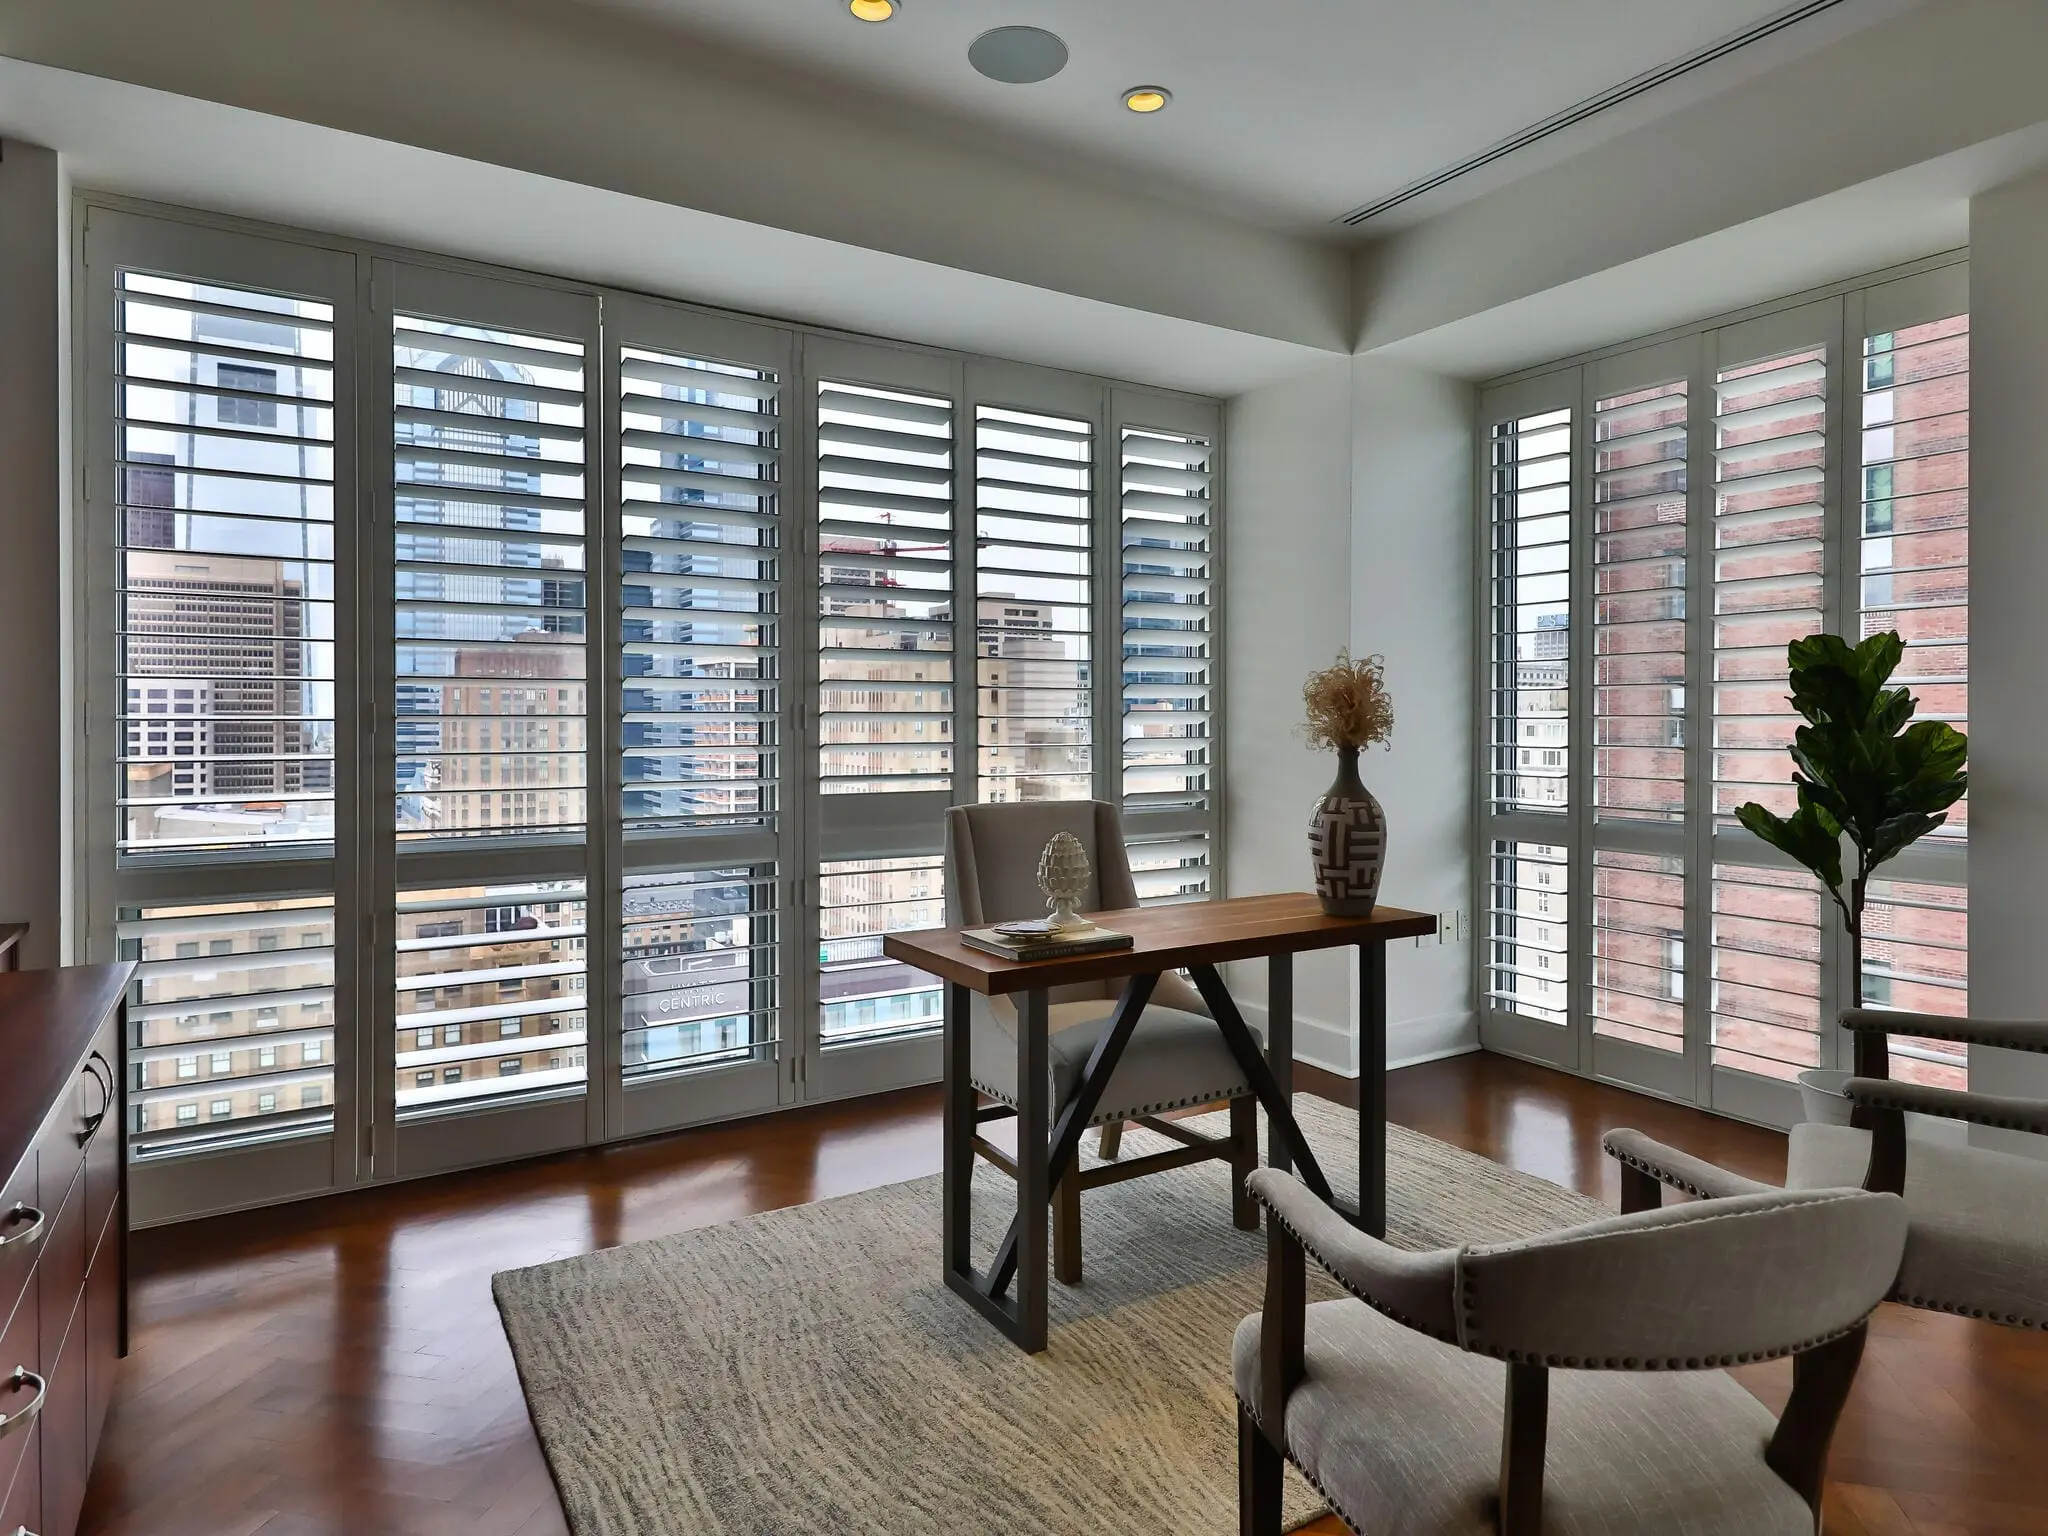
{"type": "Point", "coordinates": [1347, 839]}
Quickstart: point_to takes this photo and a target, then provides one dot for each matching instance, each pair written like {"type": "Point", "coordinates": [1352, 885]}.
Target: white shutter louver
{"type": "Point", "coordinates": [700, 966]}
{"type": "Point", "coordinates": [1530, 496]}
{"type": "Point", "coordinates": [1168, 657]}
{"type": "Point", "coordinates": [1034, 668]}
{"type": "Point", "coordinates": [490, 590]}
{"type": "Point", "coordinates": [224, 476]}
{"type": "Point", "coordinates": [491, 998]}
{"type": "Point", "coordinates": [1769, 526]}
{"type": "Point", "coordinates": [701, 541]}
{"type": "Point", "coordinates": [885, 590]}
{"type": "Point", "coordinates": [1639, 713]}
{"type": "Point", "coordinates": [231, 1019]}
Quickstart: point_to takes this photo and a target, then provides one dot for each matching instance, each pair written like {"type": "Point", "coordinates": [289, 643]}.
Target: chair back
{"type": "Point", "coordinates": [1686, 1287]}
{"type": "Point", "coordinates": [992, 866]}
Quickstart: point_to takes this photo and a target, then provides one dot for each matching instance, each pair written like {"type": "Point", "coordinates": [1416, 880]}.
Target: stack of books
{"type": "Point", "coordinates": [1039, 940]}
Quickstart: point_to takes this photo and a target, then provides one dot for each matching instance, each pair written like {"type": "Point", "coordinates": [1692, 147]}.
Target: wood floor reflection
{"type": "Point", "coordinates": [337, 1367]}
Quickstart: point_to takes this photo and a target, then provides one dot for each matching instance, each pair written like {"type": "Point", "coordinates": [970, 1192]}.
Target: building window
{"type": "Point", "coordinates": [265, 1103]}
{"type": "Point", "coordinates": [220, 1109]}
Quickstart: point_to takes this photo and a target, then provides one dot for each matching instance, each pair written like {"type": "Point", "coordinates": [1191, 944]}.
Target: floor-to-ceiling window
{"type": "Point", "coordinates": [1658, 522]}
{"type": "Point", "coordinates": [516, 711]}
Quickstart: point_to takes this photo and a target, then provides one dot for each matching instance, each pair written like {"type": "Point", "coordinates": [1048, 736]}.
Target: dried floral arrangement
{"type": "Point", "coordinates": [1347, 704]}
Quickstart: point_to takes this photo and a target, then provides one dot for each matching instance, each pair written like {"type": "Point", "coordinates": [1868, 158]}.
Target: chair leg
{"type": "Point", "coordinates": [1260, 1478]}
{"type": "Point", "coordinates": [1244, 1160]}
{"type": "Point", "coordinates": [1112, 1140]}
{"type": "Point", "coordinates": [1066, 1230]}
{"type": "Point", "coordinates": [1640, 1191]}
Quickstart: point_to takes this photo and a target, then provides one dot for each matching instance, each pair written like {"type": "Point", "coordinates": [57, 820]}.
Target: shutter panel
{"type": "Point", "coordinates": [1639, 711]}
{"type": "Point", "coordinates": [1529, 745]}
{"type": "Point", "coordinates": [1168, 639]}
{"type": "Point", "coordinates": [1769, 525]}
{"type": "Point", "coordinates": [863, 995]}
{"type": "Point", "coordinates": [1914, 577]}
{"type": "Point", "coordinates": [701, 539]}
{"type": "Point", "coordinates": [1526, 928]}
{"type": "Point", "coordinates": [490, 593]}
{"type": "Point", "coordinates": [700, 970]}
{"type": "Point", "coordinates": [231, 1020]}
{"type": "Point", "coordinates": [885, 590]}
{"type": "Point", "coordinates": [1034, 590]}
{"type": "Point", "coordinates": [225, 462]}
{"type": "Point", "coordinates": [491, 997]}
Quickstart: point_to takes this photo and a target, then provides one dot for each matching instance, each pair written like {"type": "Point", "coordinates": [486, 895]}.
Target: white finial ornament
{"type": "Point", "coordinates": [1063, 875]}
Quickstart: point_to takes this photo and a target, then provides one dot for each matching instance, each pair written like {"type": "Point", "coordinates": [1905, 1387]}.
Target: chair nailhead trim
{"type": "Point", "coordinates": [1957, 1309]}
{"type": "Point", "coordinates": [1473, 1343]}
{"type": "Point", "coordinates": [1314, 1482]}
{"type": "Point", "coordinates": [1662, 1176]}
{"type": "Point", "coordinates": [1242, 1090]}
{"type": "Point", "coordinates": [1378, 1306]}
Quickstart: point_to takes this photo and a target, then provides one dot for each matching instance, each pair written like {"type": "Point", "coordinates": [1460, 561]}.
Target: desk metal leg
{"type": "Point", "coordinates": [1372, 1089]}
{"type": "Point", "coordinates": [959, 1129]}
{"type": "Point", "coordinates": [1034, 1188]}
{"type": "Point", "coordinates": [1280, 1049]}
{"type": "Point", "coordinates": [1243, 1046]}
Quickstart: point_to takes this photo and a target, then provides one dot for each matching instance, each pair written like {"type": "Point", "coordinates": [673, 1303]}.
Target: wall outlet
{"type": "Point", "coordinates": [1450, 926]}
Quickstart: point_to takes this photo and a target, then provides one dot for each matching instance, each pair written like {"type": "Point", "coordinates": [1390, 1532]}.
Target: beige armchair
{"type": "Point", "coordinates": [1563, 1384]}
{"type": "Point", "coordinates": [1175, 1059]}
{"type": "Point", "coordinates": [1977, 1244]}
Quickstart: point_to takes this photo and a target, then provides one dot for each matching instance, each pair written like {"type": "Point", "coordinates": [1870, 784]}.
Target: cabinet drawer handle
{"type": "Point", "coordinates": [10, 1422]}
{"type": "Point", "coordinates": [92, 1067]}
{"type": "Point", "coordinates": [30, 1232]}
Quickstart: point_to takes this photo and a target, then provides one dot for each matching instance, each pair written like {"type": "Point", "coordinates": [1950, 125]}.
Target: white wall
{"type": "Point", "coordinates": [1411, 602]}
{"type": "Point", "coordinates": [2008, 623]}
{"type": "Point", "coordinates": [1287, 580]}
{"type": "Point", "coordinates": [1350, 518]}
{"type": "Point", "coordinates": [32, 480]}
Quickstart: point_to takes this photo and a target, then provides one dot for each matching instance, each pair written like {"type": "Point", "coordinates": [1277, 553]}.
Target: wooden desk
{"type": "Point", "coordinates": [1197, 938]}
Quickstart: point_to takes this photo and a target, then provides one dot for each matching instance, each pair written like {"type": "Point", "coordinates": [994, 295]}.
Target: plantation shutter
{"type": "Point", "coordinates": [1530, 489]}
{"type": "Point", "coordinates": [1770, 504]}
{"type": "Point", "coordinates": [1639, 714]}
{"type": "Point", "coordinates": [1169, 659]}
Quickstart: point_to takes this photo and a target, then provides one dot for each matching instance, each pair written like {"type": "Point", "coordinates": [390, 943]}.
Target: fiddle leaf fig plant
{"type": "Point", "coordinates": [1864, 772]}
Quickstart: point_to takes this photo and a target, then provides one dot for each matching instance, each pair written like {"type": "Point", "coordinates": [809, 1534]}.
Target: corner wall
{"type": "Point", "coordinates": [1411, 602]}
{"type": "Point", "coordinates": [33, 261]}
{"type": "Point", "coordinates": [2009, 624]}
{"type": "Point", "coordinates": [1350, 524]}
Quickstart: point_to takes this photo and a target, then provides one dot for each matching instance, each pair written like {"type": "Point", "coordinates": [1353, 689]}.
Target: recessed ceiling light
{"type": "Point", "coordinates": [1147, 98]}
{"type": "Point", "coordinates": [1018, 55]}
{"type": "Point", "coordinates": [874, 10]}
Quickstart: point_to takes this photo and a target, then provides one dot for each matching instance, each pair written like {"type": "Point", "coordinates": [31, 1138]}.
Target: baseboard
{"type": "Point", "coordinates": [1410, 1042]}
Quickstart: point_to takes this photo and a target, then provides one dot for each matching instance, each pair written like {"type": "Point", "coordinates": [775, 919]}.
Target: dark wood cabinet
{"type": "Point", "coordinates": [63, 1235]}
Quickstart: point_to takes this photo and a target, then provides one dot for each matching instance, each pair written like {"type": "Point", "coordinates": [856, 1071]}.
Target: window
{"type": "Point", "coordinates": [405, 713]}
{"type": "Point", "coordinates": [1635, 662]}
{"type": "Point", "coordinates": [220, 1109]}
{"type": "Point", "coordinates": [1168, 656]}
{"type": "Point", "coordinates": [1034, 535]}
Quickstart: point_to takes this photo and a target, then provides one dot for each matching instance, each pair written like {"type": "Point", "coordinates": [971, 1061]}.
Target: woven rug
{"type": "Point", "coordinates": [807, 1371]}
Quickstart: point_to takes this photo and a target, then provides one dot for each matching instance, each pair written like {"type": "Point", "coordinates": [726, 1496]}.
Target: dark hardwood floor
{"type": "Point", "coordinates": [337, 1367]}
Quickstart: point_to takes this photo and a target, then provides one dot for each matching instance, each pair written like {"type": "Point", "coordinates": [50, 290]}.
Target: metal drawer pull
{"type": "Point", "coordinates": [30, 1232]}
{"type": "Point", "coordinates": [10, 1422]}
{"type": "Point", "coordinates": [92, 1067]}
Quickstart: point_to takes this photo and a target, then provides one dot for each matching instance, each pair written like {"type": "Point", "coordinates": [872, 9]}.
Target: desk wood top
{"type": "Point", "coordinates": [1167, 938]}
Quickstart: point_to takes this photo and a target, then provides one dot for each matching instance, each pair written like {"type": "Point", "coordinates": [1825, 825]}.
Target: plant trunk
{"type": "Point", "coordinates": [1872, 1052]}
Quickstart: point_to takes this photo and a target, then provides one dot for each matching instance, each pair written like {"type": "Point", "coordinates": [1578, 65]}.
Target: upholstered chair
{"type": "Point", "coordinates": [1175, 1058]}
{"type": "Point", "coordinates": [1566, 1384]}
{"type": "Point", "coordinates": [1978, 1240]}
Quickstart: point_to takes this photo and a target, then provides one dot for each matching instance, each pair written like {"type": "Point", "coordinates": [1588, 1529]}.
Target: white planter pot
{"type": "Point", "coordinates": [1821, 1096]}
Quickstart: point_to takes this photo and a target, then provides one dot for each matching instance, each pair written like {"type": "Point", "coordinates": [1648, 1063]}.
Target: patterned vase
{"type": "Point", "coordinates": [1347, 839]}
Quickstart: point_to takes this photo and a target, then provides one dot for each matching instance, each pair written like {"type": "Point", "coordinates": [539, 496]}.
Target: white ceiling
{"type": "Point", "coordinates": [1290, 112]}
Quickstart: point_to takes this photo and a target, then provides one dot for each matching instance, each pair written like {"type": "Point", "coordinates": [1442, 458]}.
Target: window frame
{"type": "Point", "coordinates": [1839, 316]}
{"type": "Point", "coordinates": [362, 871]}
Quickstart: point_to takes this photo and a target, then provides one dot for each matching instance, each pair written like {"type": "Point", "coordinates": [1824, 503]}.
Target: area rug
{"type": "Point", "coordinates": [807, 1371]}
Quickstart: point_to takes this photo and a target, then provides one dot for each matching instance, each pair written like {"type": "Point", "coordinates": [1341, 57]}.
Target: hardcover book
{"type": "Point", "coordinates": [1042, 945]}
